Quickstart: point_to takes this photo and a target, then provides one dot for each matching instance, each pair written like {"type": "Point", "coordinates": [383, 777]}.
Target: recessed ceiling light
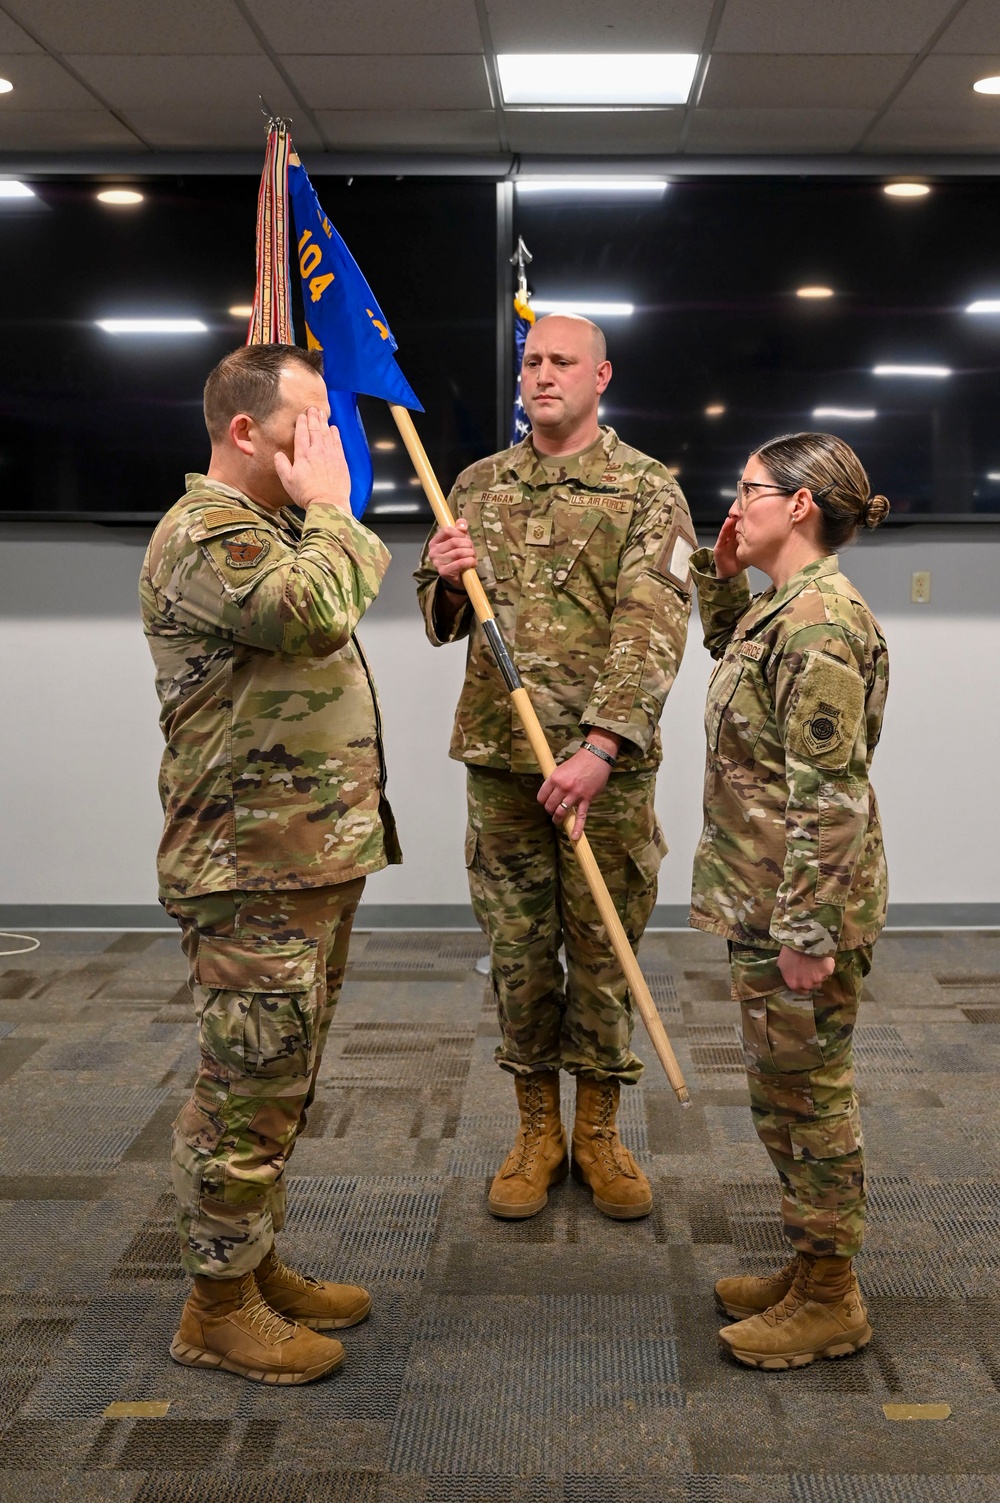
{"type": "Point", "coordinates": [385, 443]}
{"type": "Point", "coordinates": [119, 196]}
{"type": "Point", "coordinates": [415, 480]}
{"type": "Point", "coordinates": [851, 414]}
{"type": "Point", "coordinates": [906, 190]}
{"type": "Point", "coordinates": [6, 86]}
{"type": "Point", "coordinates": [814, 292]}
{"type": "Point", "coordinates": [673, 469]}
{"type": "Point", "coordinates": [152, 326]}
{"type": "Point", "coordinates": [984, 305]}
{"type": "Point", "coordinates": [596, 78]}
{"type": "Point", "coordinates": [987, 85]}
{"type": "Point", "coordinates": [652, 187]}
{"type": "Point", "coordinates": [11, 188]}
{"type": "Point", "coordinates": [384, 485]}
{"type": "Point", "coordinates": [993, 474]}
{"type": "Point", "coordinates": [241, 310]}
{"type": "Point", "coordinates": [716, 410]}
{"type": "Point", "coordinates": [587, 310]}
{"type": "Point", "coordinates": [912, 370]}
{"type": "Point", "coordinates": [394, 508]}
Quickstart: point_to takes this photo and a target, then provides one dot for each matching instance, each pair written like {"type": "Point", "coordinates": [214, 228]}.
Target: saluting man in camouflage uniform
{"type": "Point", "coordinates": [582, 544]}
{"type": "Point", "coordinates": [790, 867]}
{"type": "Point", "coordinates": [273, 791]}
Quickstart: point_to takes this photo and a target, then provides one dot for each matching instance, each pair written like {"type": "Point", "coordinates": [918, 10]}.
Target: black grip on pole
{"type": "Point", "coordinates": [499, 648]}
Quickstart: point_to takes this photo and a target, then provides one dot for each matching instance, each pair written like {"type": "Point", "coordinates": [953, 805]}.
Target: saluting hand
{"type": "Point", "coordinates": [726, 562]}
{"type": "Point", "coordinates": [317, 475]}
{"type": "Point", "coordinates": [452, 551]}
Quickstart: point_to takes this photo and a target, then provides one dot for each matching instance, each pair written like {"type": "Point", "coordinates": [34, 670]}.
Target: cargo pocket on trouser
{"type": "Point", "coordinates": [258, 1001]}
{"type": "Point", "coordinates": [800, 1073]}
{"type": "Point", "coordinates": [645, 860]}
{"type": "Point", "coordinates": [479, 906]}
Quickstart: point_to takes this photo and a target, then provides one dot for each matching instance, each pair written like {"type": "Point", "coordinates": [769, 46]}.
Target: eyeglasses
{"type": "Point", "coordinates": [745, 489]}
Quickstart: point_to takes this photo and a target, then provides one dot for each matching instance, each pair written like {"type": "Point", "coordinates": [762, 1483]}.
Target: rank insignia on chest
{"type": "Point", "coordinates": [753, 650]}
{"type": "Point", "coordinates": [539, 531]}
{"type": "Point", "coordinates": [245, 550]}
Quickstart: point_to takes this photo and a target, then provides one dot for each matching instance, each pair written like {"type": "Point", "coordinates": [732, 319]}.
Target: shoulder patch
{"type": "Point", "coordinates": [674, 559]}
{"type": "Point", "coordinates": [228, 517]}
{"type": "Point", "coordinates": [245, 550]}
{"type": "Point", "coordinates": [826, 712]}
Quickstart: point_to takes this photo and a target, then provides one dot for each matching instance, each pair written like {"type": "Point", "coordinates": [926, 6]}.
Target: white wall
{"type": "Point", "coordinates": [79, 742]}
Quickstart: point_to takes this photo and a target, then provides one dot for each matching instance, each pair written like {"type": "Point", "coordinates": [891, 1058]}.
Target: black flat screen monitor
{"type": "Point", "coordinates": [719, 351]}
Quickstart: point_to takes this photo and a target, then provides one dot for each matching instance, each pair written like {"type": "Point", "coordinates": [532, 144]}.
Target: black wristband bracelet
{"type": "Point", "coordinates": [453, 589]}
{"type": "Point", "coordinates": [597, 752]}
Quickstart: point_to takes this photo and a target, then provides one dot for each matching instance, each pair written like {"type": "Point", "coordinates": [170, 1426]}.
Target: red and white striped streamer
{"type": "Point", "coordinates": [271, 320]}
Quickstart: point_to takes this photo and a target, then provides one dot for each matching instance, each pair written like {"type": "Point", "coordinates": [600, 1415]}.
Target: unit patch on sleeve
{"type": "Point", "coordinates": [826, 712]}
{"type": "Point", "coordinates": [245, 549]}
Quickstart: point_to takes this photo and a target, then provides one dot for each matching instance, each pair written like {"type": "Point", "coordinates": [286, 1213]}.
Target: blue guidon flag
{"type": "Point", "coordinates": [523, 320]}
{"type": "Point", "coordinates": [344, 321]}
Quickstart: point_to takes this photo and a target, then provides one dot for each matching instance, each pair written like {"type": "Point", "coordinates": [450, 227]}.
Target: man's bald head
{"type": "Point", "coordinates": [564, 371]}
{"type": "Point", "coordinates": [598, 343]}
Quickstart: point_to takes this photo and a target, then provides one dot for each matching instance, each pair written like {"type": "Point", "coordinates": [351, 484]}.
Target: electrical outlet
{"type": "Point", "coordinates": [920, 587]}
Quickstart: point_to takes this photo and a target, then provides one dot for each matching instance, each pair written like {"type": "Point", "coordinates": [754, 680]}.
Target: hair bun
{"type": "Point", "coordinates": [876, 510]}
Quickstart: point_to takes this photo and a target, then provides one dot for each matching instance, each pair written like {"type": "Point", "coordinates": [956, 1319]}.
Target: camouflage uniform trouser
{"type": "Point", "coordinates": [529, 896]}
{"type": "Point", "coordinates": [800, 1068]}
{"type": "Point", "coordinates": [266, 970]}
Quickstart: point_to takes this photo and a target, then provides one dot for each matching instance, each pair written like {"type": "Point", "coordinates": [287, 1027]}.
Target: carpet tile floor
{"type": "Point", "coordinates": [565, 1359]}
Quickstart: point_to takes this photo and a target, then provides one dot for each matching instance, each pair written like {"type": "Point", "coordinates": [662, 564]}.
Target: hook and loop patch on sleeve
{"type": "Point", "coordinates": [674, 559]}
{"type": "Point", "coordinates": [826, 712]}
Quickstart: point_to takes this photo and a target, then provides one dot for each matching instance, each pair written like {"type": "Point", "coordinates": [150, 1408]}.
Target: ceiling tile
{"type": "Point", "coordinates": [398, 83]}
{"type": "Point", "coordinates": [595, 26]}
{"type": "Point", "coordinates": [847, 26]}
{"type": "Point", "coordinates": [652, 131]}
{"type": "Point", "coordinates": [798, 82]}
{"type": "Point", "coordinates": [144, 26]}
{"type": "Point", "coordinates": [63, 130]}
{"type": "Point", "coordinates": [410, 130]}
{"type": "Point", "coordinates": [12, 39]}
{"type": "Point", "coordinates": [976, 28]}
{"type": "Point", "coordinates": [944, 82]}
{"type": "Point", "coordinates": [936, 130]}
{"type": "Point", "coordinates": [41, 84]}
{"type": "Point", "coordinates": [316, 26]}
{"type": "Point", "coordinates": [793, 131]}
{"type": "Point", "coordinates": [218, 84]}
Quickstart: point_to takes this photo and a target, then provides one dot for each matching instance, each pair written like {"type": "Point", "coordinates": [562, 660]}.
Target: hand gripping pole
{"type": "Point", "coordinates": [536, 736]}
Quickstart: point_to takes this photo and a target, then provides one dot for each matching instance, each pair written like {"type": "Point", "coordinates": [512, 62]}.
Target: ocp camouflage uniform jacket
{"type": "Point", "coordinates": [791, 852]}
{"type": "Point", "coordinates": [585, 564]}
{"type": "Point", "coordinates": [273, 773]}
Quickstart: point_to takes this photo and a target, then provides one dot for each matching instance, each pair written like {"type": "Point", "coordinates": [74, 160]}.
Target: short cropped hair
{"type": "Point", "coordinates": [247, 380]}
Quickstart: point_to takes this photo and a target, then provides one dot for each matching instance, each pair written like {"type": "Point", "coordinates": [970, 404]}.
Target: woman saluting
{"type": "Point", "coordinates": [790, 866]}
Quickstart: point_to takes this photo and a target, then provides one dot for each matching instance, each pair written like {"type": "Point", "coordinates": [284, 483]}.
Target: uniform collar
{"type": "Point", "coordinates": [772, 600]}
{"type": "Point", "coordinates": [588, 468]}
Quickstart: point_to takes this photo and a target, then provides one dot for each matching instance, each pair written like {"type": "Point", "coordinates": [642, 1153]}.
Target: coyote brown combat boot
{"type": "Point", "coordinates": [226, 1324]}
{"type": "Point", "coordinates": [538, 1158]}
{"type": "Point", "coordinates": [600, 1158]}
{"type": "Point", "coordinates": [822, 1315]}
{"type": "Point", "coordinates": [311, 1302]}
{"type": "Point", "coordinates": [750, 1294]}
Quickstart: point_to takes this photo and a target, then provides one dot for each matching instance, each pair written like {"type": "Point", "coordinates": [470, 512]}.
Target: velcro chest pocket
{"type": "Point", "coordinates": [573, 531]}
{"type": "Point", "coordinates": [261, 1003]}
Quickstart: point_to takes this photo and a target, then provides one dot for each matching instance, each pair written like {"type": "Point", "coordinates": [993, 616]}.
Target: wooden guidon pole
{"type": "Point", "coordinates": [536, 736]}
